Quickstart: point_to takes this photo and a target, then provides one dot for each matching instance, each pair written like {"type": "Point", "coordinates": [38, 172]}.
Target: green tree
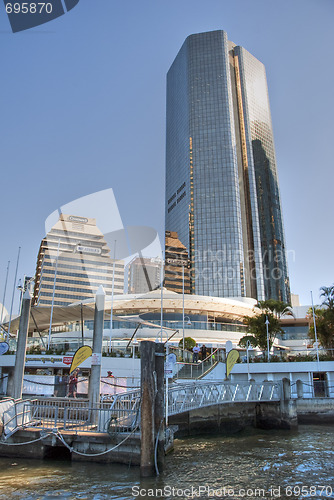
{"type": "Point", "coordinates": [189, 343]}
{"type": "Point", "coordinates": [272, 310]}
{"type": "Point", "coordinates": [324, 320]}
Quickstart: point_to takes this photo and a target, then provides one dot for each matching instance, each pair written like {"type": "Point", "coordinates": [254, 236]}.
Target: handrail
{"type": "Point", "coordinates": [197, 370]}
{"type": "Point", "coordinates": [20, 417]}
{"type": "Point", "coordinates": [185, 397]}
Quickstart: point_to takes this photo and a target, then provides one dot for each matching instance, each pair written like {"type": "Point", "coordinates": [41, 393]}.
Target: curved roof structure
{"type": "Point", "coordinates": [217, 308]}
{"type": "Point", "coordinates": [227, 309]}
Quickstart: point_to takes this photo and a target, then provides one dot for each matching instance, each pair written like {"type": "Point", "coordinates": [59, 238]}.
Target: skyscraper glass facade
{"type": "Point", "coordinates": [222, 193]}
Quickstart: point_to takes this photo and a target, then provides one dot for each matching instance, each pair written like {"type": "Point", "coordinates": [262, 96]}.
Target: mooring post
{"type": "Point", "coordinates": [286, 389]}
{"type": "Point", "coordinates": [147, 421]}
{"type": "Point", "coordinates": [288, 406]}
{"type": "Point", "coordinates": [159, 420]}
{"type": "Point", "coordinates": [21, 346]}
{"type": "Point", "coordinates": [95, 373]}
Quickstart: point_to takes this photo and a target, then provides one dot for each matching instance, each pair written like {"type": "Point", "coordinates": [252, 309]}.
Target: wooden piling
{"type": "Point", "coordinates": [159, 416]}
{"type": "Point", "coordinates": [148, 393]}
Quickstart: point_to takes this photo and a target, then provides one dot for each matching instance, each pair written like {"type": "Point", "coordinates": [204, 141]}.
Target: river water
{"type": "Point", "coordinates": [252, 464]}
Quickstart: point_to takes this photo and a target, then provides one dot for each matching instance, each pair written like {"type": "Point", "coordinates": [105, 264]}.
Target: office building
{"type": "Point", "coordinates": [177, 275]}
{"type": "Point", "coordinates": [73, 261]}
{"type": "Point", "coordinates": [144, 275]}
{"type": "Point", "coordinates": [222, 192]}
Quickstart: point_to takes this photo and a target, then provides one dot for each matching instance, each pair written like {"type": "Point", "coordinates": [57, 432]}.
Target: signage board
{"type": "Point", "coordinates": [96, 358]}
{"type": "Point", "coordinates": [4, 347]}
{"type": "Point", "coordinates": [73, 218]}
{"type": "Point", "coordinates": [92, 250]}
{"type": "Point", "coordinates": [80, 356]}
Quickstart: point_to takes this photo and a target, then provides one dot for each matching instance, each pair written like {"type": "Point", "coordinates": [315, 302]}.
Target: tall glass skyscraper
{"type": "Point", "coordinates": [222, 193]}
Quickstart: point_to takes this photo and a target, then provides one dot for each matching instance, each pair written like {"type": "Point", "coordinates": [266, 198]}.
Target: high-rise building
{"type": "Point", "coordinates": [177, 275]}
{"type": "Point", "coordinates": [222, 193]}
{"type": "Point", "coordinates": [144, 275]}
{"type": "Point", "coordinates": [73, 261]}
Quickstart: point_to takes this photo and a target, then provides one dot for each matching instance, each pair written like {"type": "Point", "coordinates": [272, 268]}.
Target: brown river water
{"type": "Point", "coordinates": [252, 464]}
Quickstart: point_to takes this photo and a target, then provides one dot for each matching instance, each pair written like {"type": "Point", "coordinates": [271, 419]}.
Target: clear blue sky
{"type": "Point", "coordinates": [83, 109]}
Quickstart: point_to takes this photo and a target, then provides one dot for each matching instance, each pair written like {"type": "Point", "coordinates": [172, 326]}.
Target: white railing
{"type": "Point", "coordinates": [184, 397]}
{"type": "Point", "coordinates": [14, 414]}
{"type": "Point", "coordinates": [121, 413]}
{"type": "Point", "coordinates": [117, 413]}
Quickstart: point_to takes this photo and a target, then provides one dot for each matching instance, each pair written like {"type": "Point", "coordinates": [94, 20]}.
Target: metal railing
{"type": "Point", "coordinates": [197, 370]}
{"type": "Point", "coordinates": [184, 397]}
{"type": "Point", "coordinates": [115, 414]}
{"type": "Point", "coordinates": [16, 414]}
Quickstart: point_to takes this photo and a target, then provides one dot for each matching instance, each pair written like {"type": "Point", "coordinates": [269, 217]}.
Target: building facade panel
{"type": "Point", "coordinates": [260, 143]}
{"type": "Point", "coordinates": [73, 261]}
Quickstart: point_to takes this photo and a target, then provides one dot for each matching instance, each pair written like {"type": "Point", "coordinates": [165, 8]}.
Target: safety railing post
{"type": "Point", "coordinates": [56, 417]}
{"type": "Point", "coordinates": [65, 417]}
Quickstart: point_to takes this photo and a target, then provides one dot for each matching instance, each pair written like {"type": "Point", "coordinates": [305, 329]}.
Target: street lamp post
{"type": "Point", "coordinates": [161, 296]}
{"type": "Point", "coordinates": [188, 324]}
{"type": "Point", "coordinates": [315, 331]}
{"type": "Point", "coordinates": [166, 376]}
{"type": "Point", "coordinates": [267, 328]}
{"type": "Point", "coordinates": [183, 312]}
{"type": "Point", "coordinates": [248, 345]}
{"type": "Point", "coordinates": [112, 298]}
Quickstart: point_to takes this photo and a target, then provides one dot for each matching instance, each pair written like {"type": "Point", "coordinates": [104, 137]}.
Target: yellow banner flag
{"type": "Point", "coordinates": [231, 360]}
{"type": "Point", "coordinates": [80, 356]}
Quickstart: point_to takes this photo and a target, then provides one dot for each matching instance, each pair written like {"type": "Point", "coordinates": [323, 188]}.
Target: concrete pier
{"type": "Point", "coordinates": [230, 418]}
{"type": "Point", "coordinates": [86, 443]}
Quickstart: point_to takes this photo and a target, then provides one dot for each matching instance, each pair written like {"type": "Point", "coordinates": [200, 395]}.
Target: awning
{"type": "Point", "coordinates": [61, 315]}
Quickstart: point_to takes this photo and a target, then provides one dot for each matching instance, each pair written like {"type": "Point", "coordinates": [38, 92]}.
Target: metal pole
{"type": "Point", "coordinates": [247, 347]}
{"type": "Point", "coordinates": [162, 295]}
{"type": "Point", "coordinates": [95, 374]}
{"type": "Point", "coordinates": [268, 346]}
{"type": "Point", "coordinates": [22, 290]}
{"type": "Point", "coordinates": [166, 398]}
{"type": "Point", "coordinates": [11, 306]}
{"type": "Point", "coordinates": [21, 346]}
{"type": "Point", "coordinates": [112, 298]}
{"type": "Point", "coordinates": [183, 312]}
{"type": "Point", "coordinates": [4, 293]}
{"type": "Point", "coordinates": [315, 331]}
{"type": "Point", "coordinates": [82, 326]}
{"type": "Point", "coordinates": [53, 295]}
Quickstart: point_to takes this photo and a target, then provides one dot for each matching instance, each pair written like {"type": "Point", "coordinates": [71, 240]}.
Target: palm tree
{"type": "Point", "coordinates": [324, 317]}
{"type": "Point", "coordinates": [328, 293]}
{"type": "Point", "coordinates": [271, 310]}
{"type": "Point", "coordinates": [275, 307]}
